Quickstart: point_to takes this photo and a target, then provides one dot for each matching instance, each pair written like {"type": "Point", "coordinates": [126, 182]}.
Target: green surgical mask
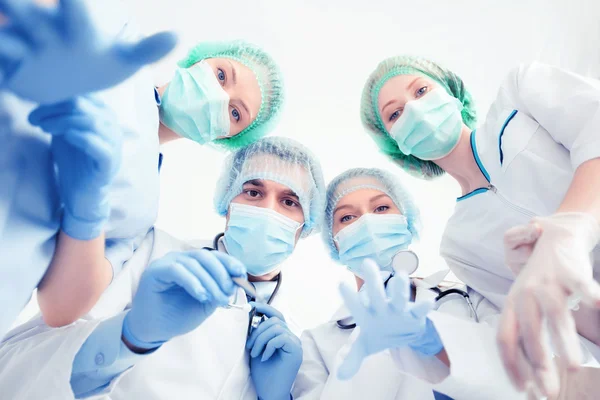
{"type": "Point", "coordinates": [195, 105]}
{"type": "Point", "coordinates": [429, 127]}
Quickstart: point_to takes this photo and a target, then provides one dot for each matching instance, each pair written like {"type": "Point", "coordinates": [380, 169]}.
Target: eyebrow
{"type": "Point", "coordinates": [245, 107]}
{"type": "Point", "coordinates": [413, 82]}
{"type": "Point", "coordinates": [341, 208]}
{"type": "Point", "coordinates": [258, 182]}
{"type": "Point", "coordinates": [254, 182]}
{"type": "Point", "coordinates": [233, 72]}
{"type": "Point", "coordinates": [379, 196]}
{"type": "Point", "coordinates": [291, 193]}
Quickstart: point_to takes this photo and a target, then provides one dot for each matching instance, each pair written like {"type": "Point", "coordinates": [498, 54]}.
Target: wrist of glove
{"type": "Point", "coordinates": [86, 222]}
{"type": "Point", "coordinates": [582, 228]}
{"type": "Point", "coordinates": [130, 336]}
{"type": "Point", "coordinates": [284, 397]}
{"type": "Point", "coordinates": [429, 342]}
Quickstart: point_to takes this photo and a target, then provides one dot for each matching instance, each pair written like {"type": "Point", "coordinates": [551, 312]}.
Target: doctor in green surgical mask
{"type": "Point", "coordinates": [226, 93]}
{"type": "Point", "coordinates": [525, 230]}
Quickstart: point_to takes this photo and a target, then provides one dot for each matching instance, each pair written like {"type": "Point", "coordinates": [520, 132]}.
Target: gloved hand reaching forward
{"type": "Point", "coordinates": [390, 319]}
{"type": "Point", "coordinates": [177, 293]}
{"type": "Point", "coordinates": [50, 54]}
{"type": "Point", "coordinates": [559, 268]}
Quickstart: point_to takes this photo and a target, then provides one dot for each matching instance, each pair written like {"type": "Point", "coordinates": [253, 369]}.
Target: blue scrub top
{"type": "Point", "coordinates": [30, 207]}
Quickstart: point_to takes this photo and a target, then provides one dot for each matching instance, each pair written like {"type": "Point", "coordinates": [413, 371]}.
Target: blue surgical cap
{"type": "Point", "coordinates": [368, 178]}
{"type": "Point", "coordinates": [280, 160]}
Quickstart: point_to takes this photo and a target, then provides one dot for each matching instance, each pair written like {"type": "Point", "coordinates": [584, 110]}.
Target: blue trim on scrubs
{"type": "Point", "coordinates": [157, 97]}
{"type": "Point", "coordinates": [473, 193]}
{"type": "Point", "coordinates": [510, 117]}
{"type": "Point", "coordinates": [441, 396]}
{"type": "Point", "coordinates": [481, 168]}
{"type": "Point", "coordinates": [160, 160]}
{"type": "Point", "coordinates": [477, 159]}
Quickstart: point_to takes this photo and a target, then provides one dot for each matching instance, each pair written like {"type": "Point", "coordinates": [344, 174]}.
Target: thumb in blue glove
{"type": "Point", "coordinates": [388, 319]}
{"type": "Point", "coordinates": [49, 55]}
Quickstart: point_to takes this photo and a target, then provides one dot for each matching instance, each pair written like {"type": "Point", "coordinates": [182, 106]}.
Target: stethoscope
{"type": "Point", "coordinates": [255, 317]}
{"type": "Point", "coordinates": [408, 261]}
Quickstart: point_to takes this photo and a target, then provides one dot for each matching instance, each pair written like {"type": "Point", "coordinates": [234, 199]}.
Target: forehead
{"type": "Point", "coordinates": [263, 166]}
{"type": "Point", "coordinates": [357, 183]}
{"type": "Point", "coordinates": [360, 197]}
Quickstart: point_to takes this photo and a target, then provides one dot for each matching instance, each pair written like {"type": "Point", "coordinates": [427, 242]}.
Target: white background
{"type": "Point", "coordinates": [326, 49]}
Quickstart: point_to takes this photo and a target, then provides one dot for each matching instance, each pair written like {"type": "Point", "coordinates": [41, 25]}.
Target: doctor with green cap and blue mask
{"type": "Point", "coordinates": [175, 323]}
{"type": "Point", "coordinates": [529, 175]}
{"type": "Point", "coordinates": [232, 103]}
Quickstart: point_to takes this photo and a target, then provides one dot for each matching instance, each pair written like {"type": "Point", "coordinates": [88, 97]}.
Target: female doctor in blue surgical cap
{"type": "Point", "coordinates": [105, 148]}
{"type": "Point", "coordinates": [533, 164]}
{"type": "Point", "coordinates": [398, 348]}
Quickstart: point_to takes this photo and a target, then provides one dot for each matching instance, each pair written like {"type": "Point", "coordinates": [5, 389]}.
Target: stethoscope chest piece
{"type": "Point", "coordinates": [406, 261]}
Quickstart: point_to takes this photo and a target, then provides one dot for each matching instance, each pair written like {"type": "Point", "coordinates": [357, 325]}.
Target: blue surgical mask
{"type": "Point", "coordinates": [261, 238]}
{"type": "Point", "coordinates": [195, 105]}
{"type": "Point", "coordinates": [376, 236]}
{"type": "Point", "coordinates": [429, 127]}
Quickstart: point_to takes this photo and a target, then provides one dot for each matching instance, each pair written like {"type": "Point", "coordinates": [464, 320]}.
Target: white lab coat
{"type": "Point", "coordinates": [210, 362]}
{"type": "Point", "coordinates": [544, 123]}
{"type": "Point", "coordinates": [476, 370]}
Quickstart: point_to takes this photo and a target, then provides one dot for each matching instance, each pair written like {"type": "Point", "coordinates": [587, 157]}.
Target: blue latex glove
{"type": "Point", "coordinates": [86, 148]}
{"type": "Point", "coordinates": [50, 54]}
{"type": "Point", "coordinates": [177, 293]}
{"type": "Point", "coordinates": [275, 355]}
{"type": "Point", "coordinates": [388, 321]}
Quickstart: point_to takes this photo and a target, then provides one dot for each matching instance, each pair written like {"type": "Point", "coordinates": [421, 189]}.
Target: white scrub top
{"type": "Point", "coordinates": [30, 207]}
{"type": "Point", "coordinates": [476, 371]}
{"type": "Point", "coordinates": [211, 362]}
{"type": "Point", "coordinates": [544, 124]}
{"type": "Point", "coordinates": [404, 373]}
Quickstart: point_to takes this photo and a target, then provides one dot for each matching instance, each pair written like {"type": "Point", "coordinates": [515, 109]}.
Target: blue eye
{"type": "Point", "coordinates": [422, 91]}
{"type": "Point", "coordinates": [220, 75]}
{"type": "Point", "coordinates": [395, 115]}
{"type": "Point", "coordinates": [346, 218]}
{"type": "Point", "coordinates": [235, 114]}
{"type": "Point", "coordinates": [381, 209]}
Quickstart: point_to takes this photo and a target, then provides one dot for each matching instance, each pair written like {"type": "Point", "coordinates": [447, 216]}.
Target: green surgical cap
{"type": "Point", "coordinates": [371, 119]}
{"type": "Point", "coordinates": [269, 79]}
